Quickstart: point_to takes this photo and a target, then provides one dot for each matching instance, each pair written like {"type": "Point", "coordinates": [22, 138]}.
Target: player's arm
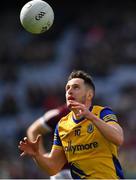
{"type": "Point", "coordinates": [33, 130]}
{"type": "Point", "coordinates": [40, 126]}
{"type": "Point", "coordinates": [111, 130]}
{"type": "Point", "coordinates": [51, 163]}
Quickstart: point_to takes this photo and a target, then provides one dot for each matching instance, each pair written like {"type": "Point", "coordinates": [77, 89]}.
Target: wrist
{"type": "Point", "coordinates": [93, 117]}
{"type": "Point", "coordinates": [36, 155]}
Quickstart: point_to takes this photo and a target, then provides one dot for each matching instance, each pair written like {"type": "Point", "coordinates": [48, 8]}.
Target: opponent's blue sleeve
{"type": "Point", "coordinates": [108, 115]}
{"type": "Point", "coordinates": [57, 140]}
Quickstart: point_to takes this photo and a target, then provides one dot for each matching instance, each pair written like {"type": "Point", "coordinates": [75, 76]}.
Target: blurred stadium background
{"type": "Point", "coordinates": [96, 36]}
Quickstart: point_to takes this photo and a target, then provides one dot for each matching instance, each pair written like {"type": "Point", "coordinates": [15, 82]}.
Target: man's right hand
{"type": "Point", "coordinates": [28, 147]}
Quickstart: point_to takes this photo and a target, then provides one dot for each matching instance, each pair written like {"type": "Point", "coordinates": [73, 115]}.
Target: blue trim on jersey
{"type": "Point", "coordinates": [110, 120]}
{"type": "Point", "coordinates": [57, 140]}
{"type": "Point", "coordinates": [104, 112]}
{"type": "Point", "coordinates": [76, 173]}
{"type": "Point", "coordinates": [118, 168]}
{"type": "Point", "coordinates": [77, 120]}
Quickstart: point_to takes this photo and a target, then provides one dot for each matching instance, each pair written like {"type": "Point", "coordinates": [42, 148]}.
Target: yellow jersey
{"type": "Point", "coordinates": [89, 154]}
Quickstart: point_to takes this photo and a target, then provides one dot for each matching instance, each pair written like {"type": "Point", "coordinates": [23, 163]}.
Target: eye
{"type": "Point", "coordinates": [76, 86]}
{"type": "Point", "coordinates": [67, 87]}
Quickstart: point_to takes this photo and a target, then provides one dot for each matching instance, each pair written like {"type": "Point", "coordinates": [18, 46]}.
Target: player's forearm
{"type": "Point", "coordinates": [112, 133]}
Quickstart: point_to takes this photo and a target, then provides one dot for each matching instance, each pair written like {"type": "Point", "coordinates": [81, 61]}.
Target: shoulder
{"type": "Point", "coordinates": [105, 113]}
{"type": "Point", "coordinates": [66, 117]}
{"type": "Point", "coordinates": [97, 108]}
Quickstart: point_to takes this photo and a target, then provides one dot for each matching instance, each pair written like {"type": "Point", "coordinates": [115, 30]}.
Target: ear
{"type": "Point", "coordinates": [90, 94]}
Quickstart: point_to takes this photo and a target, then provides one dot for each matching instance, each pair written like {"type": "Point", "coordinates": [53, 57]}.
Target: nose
{"type": "Point", "coordinates": [69, 91]}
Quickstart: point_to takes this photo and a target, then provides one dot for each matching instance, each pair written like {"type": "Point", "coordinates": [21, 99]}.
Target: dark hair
{"type": "Point", "coordinates": [83, 75]}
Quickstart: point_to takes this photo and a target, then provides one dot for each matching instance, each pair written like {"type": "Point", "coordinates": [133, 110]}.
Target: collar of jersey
{"type": "Point", "coordinates": [82, 118]}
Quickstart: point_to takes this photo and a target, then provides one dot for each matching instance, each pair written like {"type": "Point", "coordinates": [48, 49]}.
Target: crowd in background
{"type": "Point", "coordinates": [99, 38]}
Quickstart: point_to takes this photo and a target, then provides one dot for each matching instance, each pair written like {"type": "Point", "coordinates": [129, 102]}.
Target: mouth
{"type": "Point", "coordinates": [71, 98]}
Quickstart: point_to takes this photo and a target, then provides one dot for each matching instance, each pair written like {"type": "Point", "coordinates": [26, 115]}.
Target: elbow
{"type": "Point", "coordinates": [120, 140]}
{"type": "Point", "coordinates": [119, 137]}
{"type": "Point", "coordinates": [53, 171]}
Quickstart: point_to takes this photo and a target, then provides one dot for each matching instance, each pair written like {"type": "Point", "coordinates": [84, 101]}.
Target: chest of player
{"type": "Point", "coordinates": [80, 138]}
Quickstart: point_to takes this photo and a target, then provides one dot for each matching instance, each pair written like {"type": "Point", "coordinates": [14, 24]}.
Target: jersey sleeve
{"type": "Point", "coordinates": [57, 142]}
{"type": "Point", "coordinates": [108, 115]}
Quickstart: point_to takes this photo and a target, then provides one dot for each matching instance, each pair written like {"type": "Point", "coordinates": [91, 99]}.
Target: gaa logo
{"type": "Point", "coordinates": [39, 16]}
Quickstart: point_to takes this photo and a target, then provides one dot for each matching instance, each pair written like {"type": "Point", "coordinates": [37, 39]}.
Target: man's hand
{"type": "Point", "coordinates": [28, 147]}
{"type": "Point", "coordinates": [80, 109]}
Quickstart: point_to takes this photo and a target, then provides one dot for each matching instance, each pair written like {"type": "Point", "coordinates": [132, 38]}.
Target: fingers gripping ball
{"type": "Point", "coordinates": [36, 16]}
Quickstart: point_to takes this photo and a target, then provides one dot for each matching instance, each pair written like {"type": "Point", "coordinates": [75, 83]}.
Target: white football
{"type": "Point", "coordinates": [36, 16]}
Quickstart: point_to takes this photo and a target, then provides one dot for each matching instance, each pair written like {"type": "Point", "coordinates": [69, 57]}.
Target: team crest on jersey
{"type": "Point", "coordinates": [90, 128]}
